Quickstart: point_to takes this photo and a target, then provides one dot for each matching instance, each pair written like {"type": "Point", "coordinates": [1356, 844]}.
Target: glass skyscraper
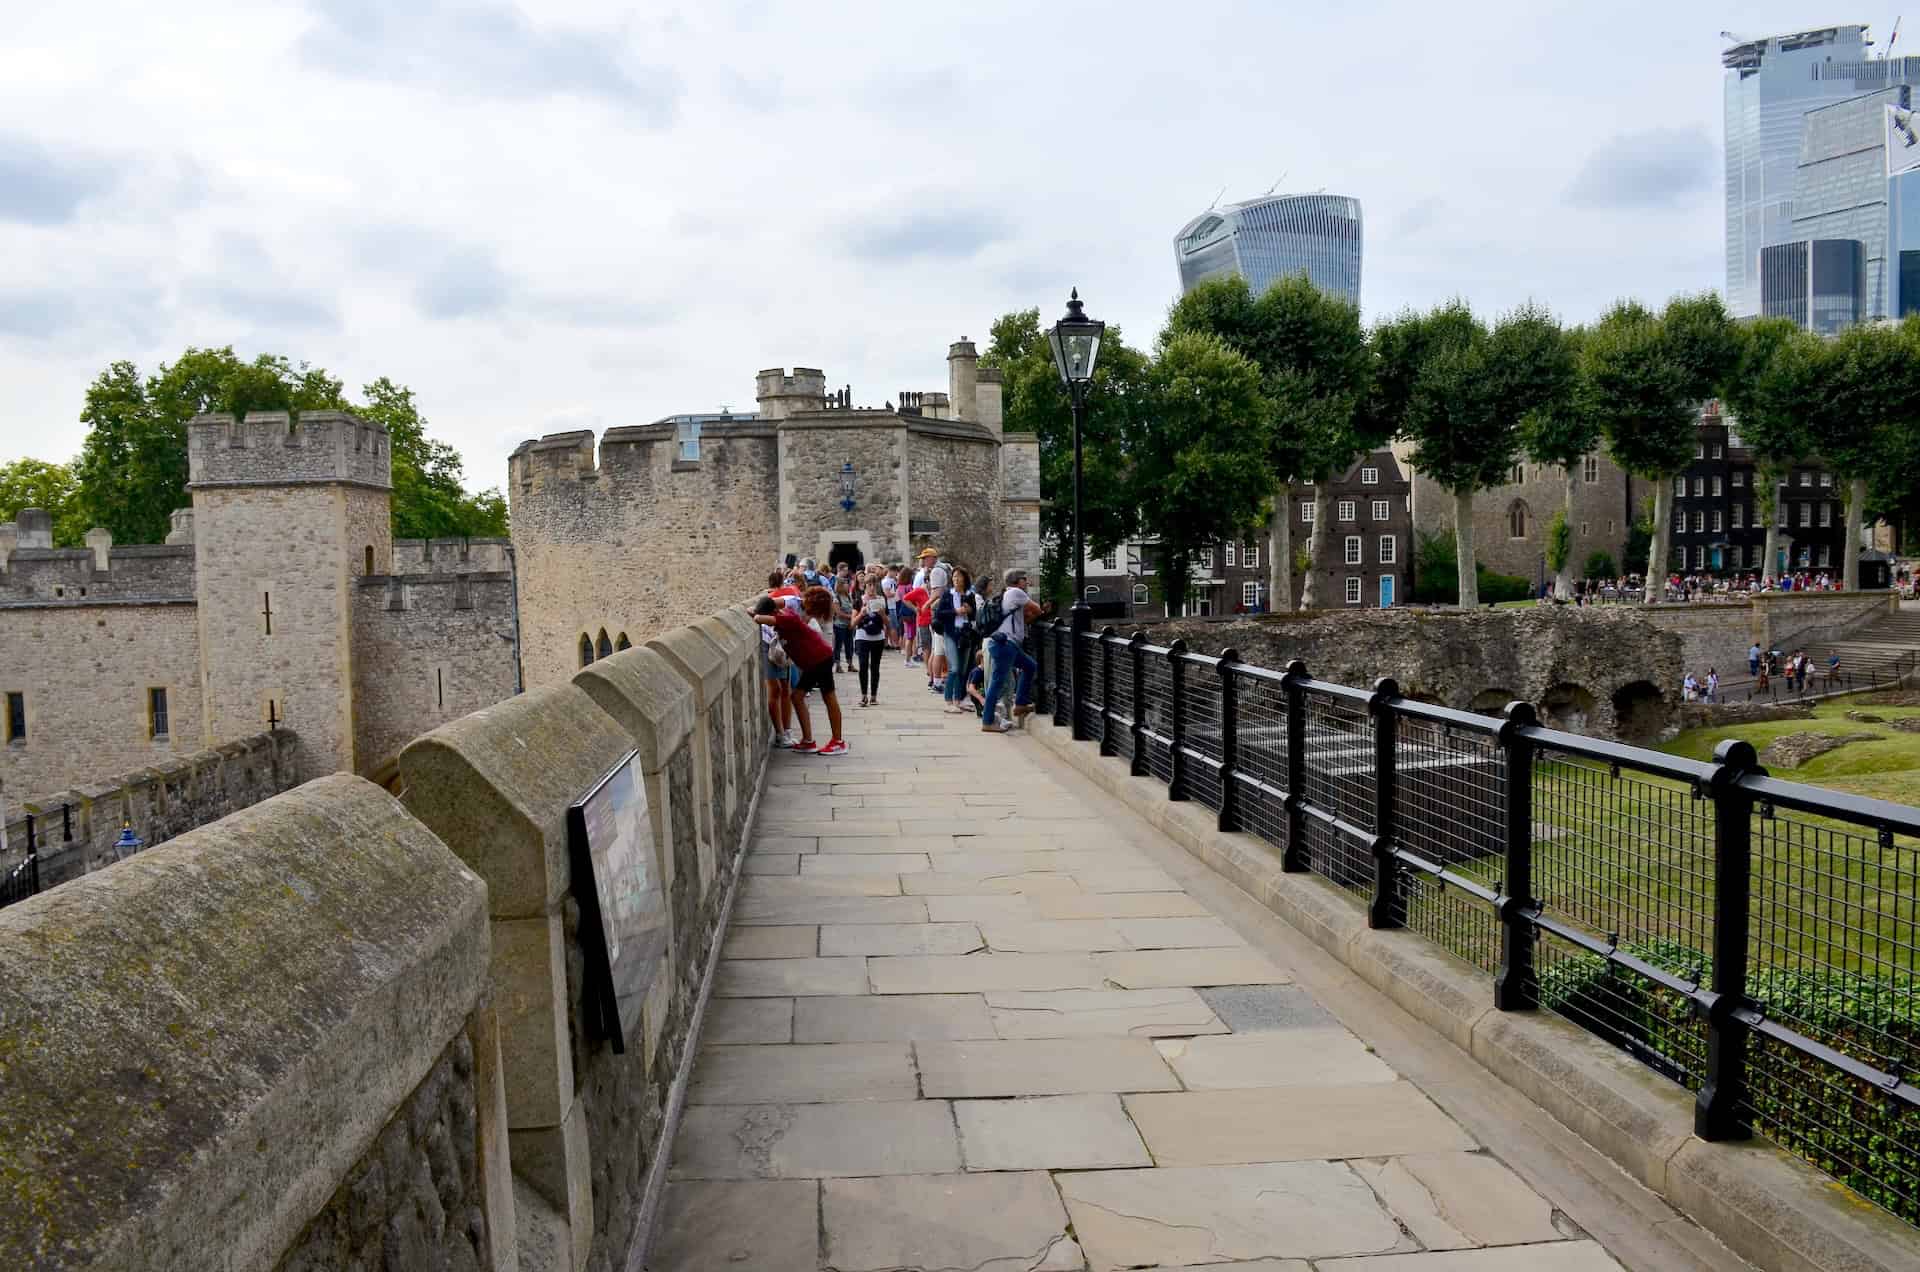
{"type": "Point", "coordinates": [1771, 86]}
{"type": "Point", "coordinates": [1267, 239]}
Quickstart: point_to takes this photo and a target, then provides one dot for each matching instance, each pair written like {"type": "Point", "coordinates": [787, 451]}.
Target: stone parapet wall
{"type": "Point", "coordinates": [56, 575]}
{"type": "Point", "coordinates": [591, 1127]}
{"type": "Point", "coordinates": [265, 1044]}
{"type": "Point", "coordinates": [271, 447]}
{"type": "Point", "coordinates": [1718, 633]}
{"type": "Point", "coordinates": [452, 556]}
{"type": "Point", "coordinates": [75, 830]}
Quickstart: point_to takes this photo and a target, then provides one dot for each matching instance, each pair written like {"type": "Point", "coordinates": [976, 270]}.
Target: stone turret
{"type": "Point", "coordinates": [963, 369]}
{"type": "Point", "coordinates": [36, 528]}
{"type": "Point", "coordinates": [781, 395]}
{"type": "Point", "coordinates": [987, 390]}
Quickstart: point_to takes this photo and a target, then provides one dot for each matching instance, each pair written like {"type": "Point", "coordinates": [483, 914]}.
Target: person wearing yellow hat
{"type": "Point", "coordinates": [933, 575]}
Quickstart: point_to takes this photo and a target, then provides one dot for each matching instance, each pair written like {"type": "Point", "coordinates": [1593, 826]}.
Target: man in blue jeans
{"type": "Point", "coordinates": [1005, 656]}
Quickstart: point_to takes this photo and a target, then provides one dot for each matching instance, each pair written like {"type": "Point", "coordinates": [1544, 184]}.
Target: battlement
{"type": "Point", "coordinates": [273, 448]}
{"type": "Point", "coordinates": [781, 395]}
{"type": "Point", "coordinates": [96, 573]}
{"type": "Point", "coordinates": [451, 556]}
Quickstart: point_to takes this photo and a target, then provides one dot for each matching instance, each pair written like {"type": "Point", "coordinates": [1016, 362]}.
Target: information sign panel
{"type": "Point", "coordinates": [623, 915]}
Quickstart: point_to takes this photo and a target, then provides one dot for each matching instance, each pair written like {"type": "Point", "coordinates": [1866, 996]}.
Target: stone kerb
{"type": "Point", "coordinates": [201, 1043]}
{"type": "Point", "coordinates": [496, 785]}
{"type": "Point", "coordinates": [704, 666]}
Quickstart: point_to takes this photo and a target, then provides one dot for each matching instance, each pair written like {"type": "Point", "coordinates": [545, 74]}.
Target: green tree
{"type": "Point", "coordinates": [1034, 401]}
{"type": "Point", "coordinates": [34, 483]}
{"type": "Point", "coordinates": [1315, 370]}
{"type": "Point", "coordinates": [1873, 390]}
{"type": "Point", "coordinates": [1559, 544]}
{"type": "Point", "coordinates": [1641, 395]}
{"type": "Point", "coordinates": [429, 499]}
{"type": "Point", "coordinates": [1195, 471]}
{"type": "Point", "coordinates": [1777, 389]}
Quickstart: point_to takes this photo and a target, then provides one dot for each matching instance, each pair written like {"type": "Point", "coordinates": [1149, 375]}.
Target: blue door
{"type": "Point", "coordinates": [1386, 591]}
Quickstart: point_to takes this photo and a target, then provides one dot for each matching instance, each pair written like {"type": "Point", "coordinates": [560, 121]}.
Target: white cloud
{"type": "Point", "coordinates": [584, 210]}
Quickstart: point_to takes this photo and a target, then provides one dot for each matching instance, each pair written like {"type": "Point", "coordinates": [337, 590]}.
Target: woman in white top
{"type": "Point", "coordinates": [870, 643]}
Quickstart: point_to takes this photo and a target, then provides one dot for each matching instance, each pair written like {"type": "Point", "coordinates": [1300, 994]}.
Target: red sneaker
{"type": "Point", "coordinates": [836, 747]}
{"type": "Point", "coordinates": [805, 747]}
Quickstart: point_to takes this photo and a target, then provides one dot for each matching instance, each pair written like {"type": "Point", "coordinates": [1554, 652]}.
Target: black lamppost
{"type": "Point", "coordinates": [1076, 344]}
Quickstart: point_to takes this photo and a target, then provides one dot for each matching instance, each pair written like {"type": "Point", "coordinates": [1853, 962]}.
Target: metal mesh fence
{"type": "Point", "coordinates": [1261, 761]}
{"type": "Point", "coordinates": [1202, 721]}
{"type": "Point", "coordinates": [1156, 692]}
{"type": "Point", "coordinates": [1450, 790]}
{"type": "Point", "coordinates": [1340, 758]}
{"type": "Point", "coordinates": [1092, 654]}
{"type": "Point", "coordinates": [1062, 674]}
{"type": "Point", "coordinates": [1119, 715]}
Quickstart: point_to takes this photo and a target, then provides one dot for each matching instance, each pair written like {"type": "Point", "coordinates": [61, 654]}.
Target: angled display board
{"type": "Point", "coordinates": [623, 914]}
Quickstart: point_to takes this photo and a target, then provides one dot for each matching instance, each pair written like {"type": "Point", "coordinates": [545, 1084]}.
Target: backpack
{"type": "Point", "coordinates": [943, 614]}
{"type": "Point", "coordinates": [991, 615]}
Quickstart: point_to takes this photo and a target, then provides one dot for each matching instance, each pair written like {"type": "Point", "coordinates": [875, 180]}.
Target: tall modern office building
{"type": "Point", "coordinates": [1271, 238]}
{"type": "Point", "coordinates": [1793, 170]}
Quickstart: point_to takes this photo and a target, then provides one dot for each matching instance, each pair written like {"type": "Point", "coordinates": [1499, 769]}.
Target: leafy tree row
{"type": "Point", "coordinates": [131, 473]}
{"type": "Point", "coordinates": [1244, 395]}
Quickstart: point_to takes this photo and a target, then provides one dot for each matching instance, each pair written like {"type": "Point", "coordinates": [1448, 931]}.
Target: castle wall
{"type": "Point", "coordinates": [955, 480]}
{"type": "Point", "coordinates": [640, 542]}
{"type": "Point", "coordinates": [52, 574]}
{"type": "Point", "coordinates": [426, 649]}
{"type": "Point", "coordinates": [811, 455]}
{"type": "Point", "coordinates": [85, 668]}
{"type": "Point", "coordinates": [1020, 504]}
{"type": "Point", "coordinates": [452, 556]}
{"type": "Point", "coordinates": [1600, 506]}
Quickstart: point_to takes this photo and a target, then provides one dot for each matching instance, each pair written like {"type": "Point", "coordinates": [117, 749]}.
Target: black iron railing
{"type": "Point", "coordinates": [1755, 940]}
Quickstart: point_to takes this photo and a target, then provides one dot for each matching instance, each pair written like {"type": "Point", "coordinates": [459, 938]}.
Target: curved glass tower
{"type": "Point", "coordinates": [1267, 239]}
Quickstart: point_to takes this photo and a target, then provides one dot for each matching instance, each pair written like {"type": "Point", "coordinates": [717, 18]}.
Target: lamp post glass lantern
{"type": "Point", "coordinates": [846, 486]}
{"type": "Point", "coordinates": [1075, 341]}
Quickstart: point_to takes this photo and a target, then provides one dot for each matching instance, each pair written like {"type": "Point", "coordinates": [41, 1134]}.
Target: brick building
{"type": "Point", "coordinates": [1718, 507]}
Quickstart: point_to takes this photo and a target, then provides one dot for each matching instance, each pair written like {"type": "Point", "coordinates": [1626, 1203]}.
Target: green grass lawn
{"type": "Point", "coordinates": [1888, 767]}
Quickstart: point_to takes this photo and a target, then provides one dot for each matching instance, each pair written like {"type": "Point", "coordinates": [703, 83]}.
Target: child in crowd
{"type": "Point", "coordinates": [977, 682]}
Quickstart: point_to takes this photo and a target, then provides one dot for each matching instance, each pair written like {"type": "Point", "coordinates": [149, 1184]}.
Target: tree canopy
{"type": "Point", "coordinates": [34, 483]}
{"type": "Point", "coordinates": [131, 473]}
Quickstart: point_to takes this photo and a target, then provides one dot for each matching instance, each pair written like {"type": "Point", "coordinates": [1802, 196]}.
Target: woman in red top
{"type": "Point", "coordinates": [813, 656]}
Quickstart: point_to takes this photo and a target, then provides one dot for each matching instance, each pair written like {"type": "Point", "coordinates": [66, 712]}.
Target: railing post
{"type": "Point", "coordinates": [1042, 691]}
{"type": "Point", "coordinates": [1081, 627]}
{"type": "Point", "coordinates": [1176, 721]}
{"type": "Point", "coordinates": [1137, 654]}
{"type": "Point", "coordinates": [1386, 909]}
{"type": "Point", "coordinates": [32, 844]}
{"type": "Point", "coordinates": [1719, 1111]}
{"type": "Point", "coordinates": [1106, 690]}
{"type": "Point", "coordinates": [1293, 858]}
{"type": "Point", "coordinates": [1229, 741]}
{"type": "Point", "coordinates": [1062, 661]}
{"type": "Point", "coordinates": [1516, 986]}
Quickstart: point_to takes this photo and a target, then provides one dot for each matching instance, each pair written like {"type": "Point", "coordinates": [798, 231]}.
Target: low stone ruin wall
{"type": "Point", "coordinates": [343, 1030]}
{"type": "Point", "coordinates": [74, 831]}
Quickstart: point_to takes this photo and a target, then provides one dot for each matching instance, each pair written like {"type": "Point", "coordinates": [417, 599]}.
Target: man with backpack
{"type": "Point", "coordinates": [1005, 620]}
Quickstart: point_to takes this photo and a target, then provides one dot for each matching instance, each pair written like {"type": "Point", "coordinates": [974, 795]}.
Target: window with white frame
{"type": "Point", "coordinates": [1679, 521]}
{"type": "Point", "coordinates": [1140, 594]}
{"type": "Point", "coordinates": [1353, 549]}
{"type": "Point", "coordinates": [1306, 511]}
{"type": "Point", "coordinates": [1825, 555]}
{"type": "Point", "coordinates": [1346, 508]}
{"type": "Point", "coordinates": [1369, 476]}
{"type": "Point", "coordinates": [1719, 451]}
{"type": "Point", "coordinates": [1250, 555]}
{"type": "Point", "coordinates": [1739, 516]}
{"type": "Point", "coordinates": [1250, 594]}
{"type": "Point", "coordinates": [1679, 487]}
{"type": "Point", "coordinates": [1716, 485]}
{"type": "Point", "coordinates": [1700, 557]}
{"type": "Point", "coordinates": [1699, 450]}
{"type": "Point", "coordinates": [1716, 520]}
{"type": "Point", "coordinates": [1353, 590]}
{"type": "Point", "coordinates": [1230, 548]}
{"type": "Point", "coordinates": [1203, 560]}
{"type": "Point", "coordinates": [1111, 561]}
{"type": "Point", "coordinates": [1806, 556]}
{"type": "Point", "coordinates": [1806, 479]}
{"type": "Point", "coordinates": [1590, 469]}
{"type": "Point", "coordinates": [1826, 514]}
{"type": "Point", "coordinates": [1826, 479]}
{"type": "Point", "coordinates": [1699, 487]}
{"type": "Point", "coordinates": [1388, 546]}
{"type": "Point", "coordinates": [1381, 510]}
{"type": "Point", "coordinates": [1739, 479]}
{"type": "Point", "coordinates": [1699, 522]}
{"type": "Point", "coordinates": [1806, 514]}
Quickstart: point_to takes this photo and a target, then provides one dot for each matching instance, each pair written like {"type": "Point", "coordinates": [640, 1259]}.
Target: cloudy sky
{"type": "Point", "coordinates": [584, 213]}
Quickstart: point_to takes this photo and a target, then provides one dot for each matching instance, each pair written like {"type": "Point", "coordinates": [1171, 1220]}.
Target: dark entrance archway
{"type": "Point", "coordinates": [848, 552]}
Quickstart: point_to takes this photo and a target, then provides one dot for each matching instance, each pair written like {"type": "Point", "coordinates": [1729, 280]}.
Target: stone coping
{"type": "Point", "coordinates": [1765, 1204]}
{"type": "Point", "coordinates": [198, 1043]}
{"type": "Point", "coordinates": [640, 688]}
{"type": "Point", "coordinates": [436, 577]}
{"type": "Point", "coordinates": [98, 602]}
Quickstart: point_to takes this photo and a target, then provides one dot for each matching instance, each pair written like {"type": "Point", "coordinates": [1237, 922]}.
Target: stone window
{"type": "Point", "coordinates": [1369, 476]}
{"type": "Point", "coordinates": [1353, 590]}
{"type": "Point", "coordinates": [157, 713]}
{"type": "Point", "coordinates": [1610, 529]}
{"type": "Point", "coordinates": [687, 433]}
{"type": "Point", "coordinates": [586, 649]}
{"type": "Point", "coordinates": [1347, 507]}
{"type": "Point", "coordinates": [1585, 529]}
{"type": "Point", "coordinates": [1250, 556]}
{"type": "Point", "coordinates": [1518, 475]}
{"type": "Point", "coordinates": [369, 569]}
{"type": "Point", "coordinates": [1517, 520]}
{"type": "Point", "coordinates": [1387, 549]}
{"type": "Point", "coordinates": [1590, 469]}
{"type": "Point", "coordinates": [603, 648]}
{"type": "Point", "coordinates": [621, 642]}
{"type": "Point", "coordinates": [1140, 594]}
{"type": "Point", "coordinates": [1306, 511]}
{"type": "Point", "coordinates": [439, 687]}
{"type": "Point", "coordinates": [1250, 594]}
{"type": "Point", "coordinates": [16, 719]}
{"type": "Point", "coordinates": [1381, 510]}
{"type": "Point", "coordinates": [1353, 549]}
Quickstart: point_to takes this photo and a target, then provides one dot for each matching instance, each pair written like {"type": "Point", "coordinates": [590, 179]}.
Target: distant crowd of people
{"type": "Point", "coordinates": [1698, 586]}
{"type": "Point", "coordinates": [965, 637]}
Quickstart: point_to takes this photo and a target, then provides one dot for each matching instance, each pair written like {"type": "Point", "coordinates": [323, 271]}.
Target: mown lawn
{"type": "Point", "coordinates": [1888, 767]}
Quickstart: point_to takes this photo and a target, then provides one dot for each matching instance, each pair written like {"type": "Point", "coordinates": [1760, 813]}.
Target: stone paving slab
{"type": "Point", "coordinates": [900, 938]}
{"type": "Point", "coordinates": [783, 843]}
{"type": "Point", "coordinates": [815, 1141]}
{"type": "Point", "coordinates": [1009, 908]}
{"type": "Point", "coordinates": [1051, 1066]}
{"type": "Point", "coordinates": [771, 1225]}
{"type": "Point", "coordinates": [1567, 1256]}
{"type": "Point", "coordinates": [890, 1017]}
{"type": "Point", "coordinates": [1117, 905]}
{"type": "Point", "coordinates": [882, 844]}
{"type": "Point", "coordinates": [844, 826]}
{"type": "Point", "coordinates": [935, 1222]}
{"type": "Point", "coordinates": [1310, 1210]}
{"type": "Point", "coordinates": [772, 942]}
{"type": "Point", "coordinates": [771, 863]}
{"type": "Point", "coordinates": [1254, 1265]}
{"type": "Point", "coordinates": [1131, 879]}
{"type": "Point", "coordinates": [1048, 1132]}
{"type": "Point", "coordinates": [1056, 861]}
{"type": "Point", "coordinates": [975, 973]}
{"type": "Point", "coordinates": [1158, 969]}
{"type": "Point", "coordinates": [804, 1074]}
{"type": "Point", "coordinates": [756, 888]}
{"type": "Point", "coordinates": [1055, 935]}
{"type": "Point", "coordinates": [858, 863]}
{"type": "Point", "coordinates": [781, 977]}
{"type": "Point", "coordinates": [1031, 882]}
{"type": "Point", "coordinates": [1455, 1201]}
{"type": "Point", "coordinates": [1291, 1057]}
{"type": "Point", "coordinates": [793, 911]}
{"type": "Point", "coordinates": [741, 1020]}
{"type": "Point", "coordinates": [1210, 1128]}
{"type": "Point", "coordinates": [1067, 1013]}
{"type": "Point", "coordinates": [1250, 1008]}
